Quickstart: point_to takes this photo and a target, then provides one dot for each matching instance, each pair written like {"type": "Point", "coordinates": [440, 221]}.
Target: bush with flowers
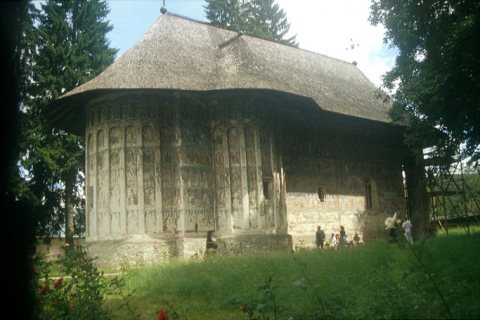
{"type": "Point", "coordinates": [76, 291]}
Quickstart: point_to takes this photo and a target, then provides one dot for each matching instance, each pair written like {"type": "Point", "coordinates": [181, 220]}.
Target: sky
{"type": "Point", "coordinates": [336, 28]}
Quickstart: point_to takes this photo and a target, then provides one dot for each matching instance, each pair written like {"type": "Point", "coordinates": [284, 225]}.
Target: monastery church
{"type": "Point", "coordinates": [198, 128]}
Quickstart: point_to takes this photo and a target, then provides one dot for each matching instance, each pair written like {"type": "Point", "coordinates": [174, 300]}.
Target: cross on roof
{"type": "Point", "coordinates": [163, 9]}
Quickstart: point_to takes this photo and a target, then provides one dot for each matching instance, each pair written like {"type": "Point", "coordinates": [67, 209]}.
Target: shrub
{"type": "Point", "coordinates": [76, 292]}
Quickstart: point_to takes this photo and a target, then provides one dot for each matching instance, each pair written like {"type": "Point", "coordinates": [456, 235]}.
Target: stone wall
{"type": "Point", "coordinates": [54, 247]}
{"type": "Point", "coordinates": [137, 250]}
{"type": "Point", "coordinates": [144, 250]}
{"type": "Point", "coordinates": [341, 173]}
{"type": "Point", "coordinates": [255, 243]}
{"type": "Point", "coordinates": [140, 250]}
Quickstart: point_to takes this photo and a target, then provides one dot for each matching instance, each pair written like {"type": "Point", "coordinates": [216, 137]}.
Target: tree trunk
{"type": "Point", "coordinates": [417, 195]}
{"type": "Point", "coordinates": [69, 209]}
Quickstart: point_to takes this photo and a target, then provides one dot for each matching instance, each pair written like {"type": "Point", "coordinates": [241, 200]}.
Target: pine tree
{"type": "Point", "coordinates": [266, 20]}
{"type": "Point", "coordinates": [225, 13]}
{"type": "Point", "coordinates": [71, 49]}
{"type": "Point", "coordinates": [260, 18]}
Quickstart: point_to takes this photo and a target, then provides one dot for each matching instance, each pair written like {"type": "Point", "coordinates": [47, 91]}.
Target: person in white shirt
{"type": "Point", "coordinates": [407, 227]}
{"type": "Point", "coordinates": [333, 241]}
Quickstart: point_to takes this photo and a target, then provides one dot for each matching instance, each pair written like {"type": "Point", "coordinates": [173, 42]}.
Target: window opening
{"type": "Point", "coordinates": [321, 193]}
{"type": "Point", "coordinates": [371, 195]}
{"type": "Point", "coordinates": [266, 189]}
{"type": "Point", "coordinates": [368, 196]}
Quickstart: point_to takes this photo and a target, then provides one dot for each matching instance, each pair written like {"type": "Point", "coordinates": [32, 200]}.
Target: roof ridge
{"type": "Point", "coordinates": [252, 36]}
{"type": "Point", "coordinates": [225, 28]}
{"type": "Point", "coordinates": [187, 18]}
{"type": "Point", "coordinates": [181, 16]}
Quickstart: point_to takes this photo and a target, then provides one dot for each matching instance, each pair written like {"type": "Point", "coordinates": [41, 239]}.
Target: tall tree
{"type": "Point", "coordinates": [266, 20]}
{"type": "Point", "coordinates": [71, 49]}
{"type": "Point", "coordinates": [225, 13]}
{"type": "Point", "coordinates": [260, 18]}
{"type": "Point", "coordinates": [436, 77]}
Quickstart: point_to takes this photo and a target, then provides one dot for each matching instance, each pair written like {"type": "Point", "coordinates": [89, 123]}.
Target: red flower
{"type": "Point", "coordinates": [162, 315]}
{"type": "Point", "coordinates": [58, 283]}
{"type": "Point", "coordinates": [45, 289]}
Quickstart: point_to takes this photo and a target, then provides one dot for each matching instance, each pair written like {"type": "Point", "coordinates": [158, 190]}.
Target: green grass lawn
{"type": "Point", "coordinates": [374, 281]}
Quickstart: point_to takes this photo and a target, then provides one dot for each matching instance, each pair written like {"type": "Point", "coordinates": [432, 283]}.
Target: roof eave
{"type": "Point", "coordinates": [68, 112]}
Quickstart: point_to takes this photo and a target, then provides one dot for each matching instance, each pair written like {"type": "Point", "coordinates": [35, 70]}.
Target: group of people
{"type": "Point", "coordinates": [393, 223]}
{"type": "Point", "coordinates": [340, 239]}
{"type": "Point", "coordinates": [336, 240]}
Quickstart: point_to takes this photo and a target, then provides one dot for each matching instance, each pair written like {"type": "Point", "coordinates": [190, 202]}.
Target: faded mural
{"type": "Point", "coordinates": [166, 167]}
{"type": "Point", "coordinates": [156, 168]}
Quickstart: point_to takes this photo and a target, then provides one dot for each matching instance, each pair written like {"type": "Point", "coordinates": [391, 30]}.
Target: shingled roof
{"type": "Point", "coordinates": [182, 54]}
